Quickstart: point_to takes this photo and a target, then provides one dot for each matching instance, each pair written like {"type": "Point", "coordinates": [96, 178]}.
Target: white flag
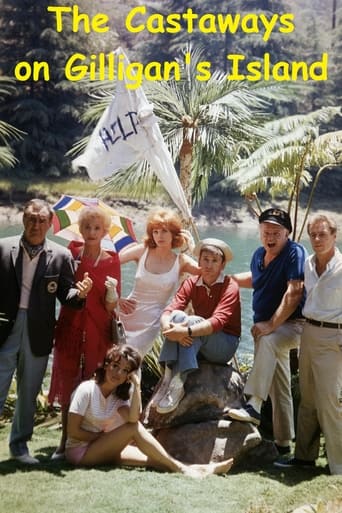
{"type": "Point", "coordinates": [128, 132]}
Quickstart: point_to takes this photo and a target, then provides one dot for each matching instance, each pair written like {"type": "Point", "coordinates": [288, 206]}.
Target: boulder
{"type": "Point", "coordinates": [205, 442]}
{"type": "Point", "coordinates": [198, 431]}
{"type": "Point", "coordinates": [209, 392]}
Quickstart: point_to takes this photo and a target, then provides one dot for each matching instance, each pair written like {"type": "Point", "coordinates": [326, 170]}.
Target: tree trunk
{"type": "Point", "coordinates": [334, 7]}
{"type": "Point", "coordinates": [185, 159]}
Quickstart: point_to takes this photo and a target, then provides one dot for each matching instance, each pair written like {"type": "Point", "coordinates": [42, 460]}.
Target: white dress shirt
{"type": "Point", "coordinates": [29, 269]}
{"type": "Point", "coordinates": [324, 293]}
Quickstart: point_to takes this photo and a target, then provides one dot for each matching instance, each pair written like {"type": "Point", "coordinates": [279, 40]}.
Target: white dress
{"type": "Point", "coordinates": [152, 293]}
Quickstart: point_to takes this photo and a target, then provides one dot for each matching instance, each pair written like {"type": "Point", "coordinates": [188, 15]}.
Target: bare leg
{"type": "Point", "coordinates": [133, 457]}
{"type": "Point", "coordinates": [109, 448]}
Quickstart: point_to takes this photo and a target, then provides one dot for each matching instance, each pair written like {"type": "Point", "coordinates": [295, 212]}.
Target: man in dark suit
{"type": "Point", "coordinates": [33, 273]}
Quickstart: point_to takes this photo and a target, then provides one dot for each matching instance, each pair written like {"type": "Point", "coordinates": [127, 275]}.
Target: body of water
{"type": "Point", "coordinates": [243, 243]}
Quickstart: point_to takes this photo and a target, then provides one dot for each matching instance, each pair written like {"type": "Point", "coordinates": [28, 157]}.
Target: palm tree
{"type": "Point", "coordinates": [282, 164]}
{"type": "Point", "coordinates": [206, 125]}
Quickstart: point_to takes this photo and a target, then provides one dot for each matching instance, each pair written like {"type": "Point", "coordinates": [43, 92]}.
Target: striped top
{"type": "Point", "coordinates": [100, 414]}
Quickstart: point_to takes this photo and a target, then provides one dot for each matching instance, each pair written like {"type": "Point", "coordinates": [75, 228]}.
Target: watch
{"type": "Point", "coordinates": [189, 331]}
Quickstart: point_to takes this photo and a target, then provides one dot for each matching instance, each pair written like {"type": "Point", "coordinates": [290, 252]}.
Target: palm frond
{"type": "Point", "coordinates": [326, 149]}
{"type": "Point", "coordinates": [7, 159]}
{"type": "Point", "coordinates": [315, 118]}
{"type": "Point", "coordinates": [10, 132]}
{"type": "Point", "coordinates": [7, 86]}
{"type": "Point", "coordinates": [137, 181]}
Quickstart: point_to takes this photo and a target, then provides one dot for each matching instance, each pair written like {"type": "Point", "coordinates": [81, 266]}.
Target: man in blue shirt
{"type": "Point", "coordinates": [276, 275]}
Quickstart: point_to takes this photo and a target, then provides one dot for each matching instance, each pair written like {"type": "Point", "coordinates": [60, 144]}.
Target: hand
{"type": "Point", "coordinates": [127, 306]}
{"type": "Point", "coordinates": [111, 292]}
{"type": "Point", "coordinates": [189, 244]}
{"type": "Point", "coordinates": [84, 286]}
{"type": "Point", "coordinates": [134, 378]}
{"type": "Point", "coordinates": [178, 333]}
{"type": "Point", "coordinates": [261, 328]}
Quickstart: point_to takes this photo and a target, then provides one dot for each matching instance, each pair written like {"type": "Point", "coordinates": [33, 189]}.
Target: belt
{"type": "Point", "coordinates": [324, 324]}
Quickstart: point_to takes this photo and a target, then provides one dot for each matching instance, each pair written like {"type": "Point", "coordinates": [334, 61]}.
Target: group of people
{"type": "Point", "coordinates": [297, 303]}
{"type": "Point", "coordinates": [98, 384]}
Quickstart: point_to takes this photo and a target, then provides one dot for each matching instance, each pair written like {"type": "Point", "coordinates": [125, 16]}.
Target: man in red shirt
{"type": "Point", "coordinates": [214, 329]}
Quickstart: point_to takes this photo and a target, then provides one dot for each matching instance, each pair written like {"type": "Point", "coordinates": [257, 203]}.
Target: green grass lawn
{"type": "Point", "coordinates": [59, 487]}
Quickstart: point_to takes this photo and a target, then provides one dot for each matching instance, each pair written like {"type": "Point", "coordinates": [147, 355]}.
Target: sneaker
{"type": "Point", "coordinates": [173, 396]}
{"type": "Point", "coordinates": [283, 449]}
{"type": "Point", "coordinates": [246, 414]}
{"type": "Point", "coordinates": [27, 459]}
{"type": "Point", "coordinates": [55, 456]}
{"type": "Point", "coordinates": [293, 462]}
{"type": "Point", "coordinates": [161, 392]}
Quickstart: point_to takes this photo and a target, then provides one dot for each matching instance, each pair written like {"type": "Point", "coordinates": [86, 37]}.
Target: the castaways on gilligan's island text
{"type": "Point", "coordinates": [103, 66]}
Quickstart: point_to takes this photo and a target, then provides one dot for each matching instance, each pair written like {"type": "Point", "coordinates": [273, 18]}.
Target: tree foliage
{"type": "Point", "coordinates": [47, 110]}
{"type": "Point", "coordinates": [281, 165]}
{"type": "Point", "coordinates": [8, 133]}
{"type": "Point", "coordinates": [206, 126]}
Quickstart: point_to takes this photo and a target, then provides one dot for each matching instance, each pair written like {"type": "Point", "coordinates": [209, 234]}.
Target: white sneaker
{"type": "Point", "coordinates": [161, 392]}
{"type": "Point", "coordinates": [27, 459]}
{"type": "Point", "coordinates": [173, 396]}
{"type": "Point", "coordinates": [57, 456]}
{"type": "Point", "coordinates": [246, 414]}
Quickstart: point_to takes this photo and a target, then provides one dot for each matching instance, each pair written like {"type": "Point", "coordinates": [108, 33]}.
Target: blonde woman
{"type": "Point", "coordinates": [83, 337]}
{"type": "Point", "coordinates": [158, 271]}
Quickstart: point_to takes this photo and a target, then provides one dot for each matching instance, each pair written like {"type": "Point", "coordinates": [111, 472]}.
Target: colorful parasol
{"type": "Point", "coordinates": [65, 222]}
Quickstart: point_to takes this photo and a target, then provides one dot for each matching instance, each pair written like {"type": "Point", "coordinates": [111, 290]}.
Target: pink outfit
{"type": "Point", "coordinates": [100, 414]}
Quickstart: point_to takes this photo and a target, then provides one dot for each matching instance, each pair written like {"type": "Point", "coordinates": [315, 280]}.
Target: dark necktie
{"type": "Point", "coordinates": [31, 249]}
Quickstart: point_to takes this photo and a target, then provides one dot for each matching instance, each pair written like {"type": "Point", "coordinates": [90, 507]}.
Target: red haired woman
{"type": "Point", "coordinates": [157, 276]}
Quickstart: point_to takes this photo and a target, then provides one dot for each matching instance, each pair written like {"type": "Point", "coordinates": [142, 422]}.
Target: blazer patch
{"type": "Point", "coordinates": [51, 287]}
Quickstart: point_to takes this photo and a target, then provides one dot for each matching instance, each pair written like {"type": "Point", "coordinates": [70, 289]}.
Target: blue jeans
{"type": "Point", "coordinates": [219, 347]}
{"type": "Point", "coordinates": [16, 354]}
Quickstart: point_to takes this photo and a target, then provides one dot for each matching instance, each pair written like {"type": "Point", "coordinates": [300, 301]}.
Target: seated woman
{"type": "Point", "coordinates": [104, 419]}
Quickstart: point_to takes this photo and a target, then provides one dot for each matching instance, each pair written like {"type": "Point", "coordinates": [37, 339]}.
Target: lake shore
{"type": "Point", "coordinates": [224, 212]}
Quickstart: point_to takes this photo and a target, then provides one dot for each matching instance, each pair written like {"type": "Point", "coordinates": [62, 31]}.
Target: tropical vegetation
{"type": "Point", "coordinates": [206, 126]}
{"type": "Point", "coordinates": [8, 133]}
{"type": "Point", "coordinates": [281, 165]}
{"type": "Point", "coordinates": [213, 129]}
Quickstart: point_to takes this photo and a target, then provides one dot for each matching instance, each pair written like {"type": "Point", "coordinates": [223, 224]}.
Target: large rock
{"type": "Point", "coordinates": [205, 442]}
{"type": "Point", "coordinates": [209, 392]}
{"type": "Point", "coordinates": [198, 431]}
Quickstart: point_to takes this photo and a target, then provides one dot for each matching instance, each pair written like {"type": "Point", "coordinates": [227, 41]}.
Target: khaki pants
{"type": "Point", "coordinates": [320, 381]}
{"type": "Point", "coordinates": [271, 375]}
